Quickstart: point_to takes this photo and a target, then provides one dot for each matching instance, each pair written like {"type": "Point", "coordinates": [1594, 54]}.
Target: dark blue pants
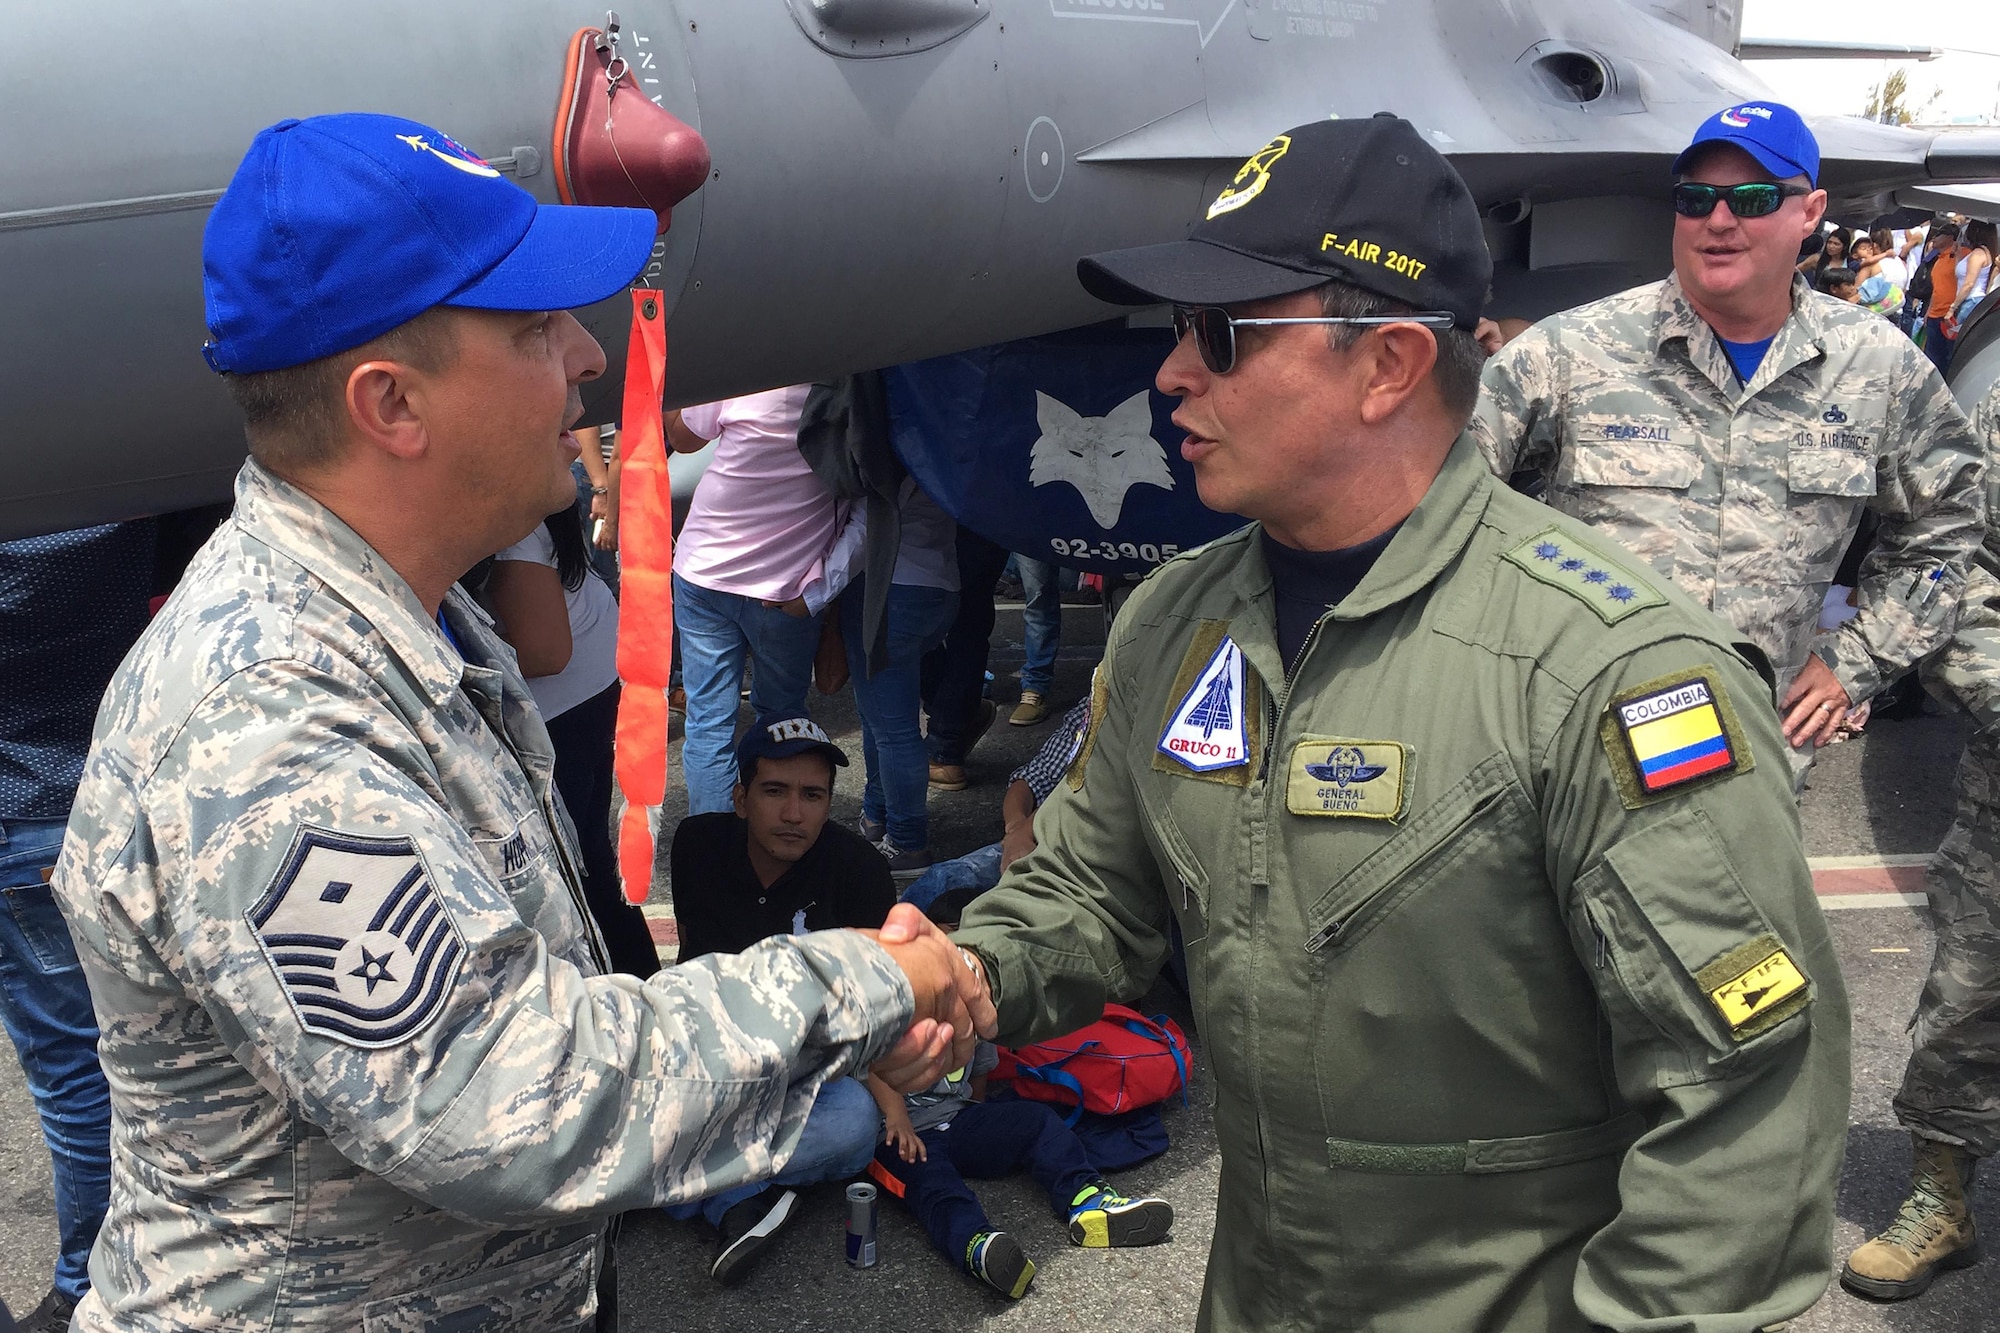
{"type": "Point", "coordinates": [985, 1141]}
{"type": "Point", "coordinates": [1938, 347]}
{"type": "Point", "coordinates": [954, 674]}
{"type": "Point", "coordinates": [582, 739]}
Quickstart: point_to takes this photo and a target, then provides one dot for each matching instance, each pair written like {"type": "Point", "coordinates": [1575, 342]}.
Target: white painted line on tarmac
{"type": "Point", "coordinates": [1844, 901]}
{"type": "Point", "coordinates": [1866, 862]}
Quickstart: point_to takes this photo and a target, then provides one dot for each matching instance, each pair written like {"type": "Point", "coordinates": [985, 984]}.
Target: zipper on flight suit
{"type": "Point", "coordinates": [1274, 710]}
{"type": "Point", "coordinates": [1332, 931]}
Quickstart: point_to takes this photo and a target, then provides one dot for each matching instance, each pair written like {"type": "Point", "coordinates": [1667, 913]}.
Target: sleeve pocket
{"type": "Point", "coordinates": [1688, 947]}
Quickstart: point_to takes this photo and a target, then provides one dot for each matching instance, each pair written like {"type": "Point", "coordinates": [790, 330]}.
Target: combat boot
{"type": "Point", "coordinates": [1933, 1229]}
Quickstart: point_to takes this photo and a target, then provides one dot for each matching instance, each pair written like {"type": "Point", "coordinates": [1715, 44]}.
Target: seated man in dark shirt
{"type": "Point", "coordinates": [778, 866]}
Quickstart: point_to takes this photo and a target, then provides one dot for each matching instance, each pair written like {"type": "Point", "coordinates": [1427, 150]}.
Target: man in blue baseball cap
{"type": "Point", "coordinates": [366, 1066]}
{"type": "Point", "coordinates": [1730, 425]}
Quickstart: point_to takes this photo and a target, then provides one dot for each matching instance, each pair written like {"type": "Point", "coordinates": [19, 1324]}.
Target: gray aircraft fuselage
{"type": "Point", "coordinates": [892, 179]}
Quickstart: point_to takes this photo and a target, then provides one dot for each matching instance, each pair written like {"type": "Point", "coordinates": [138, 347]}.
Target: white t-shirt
{"type": "Point", "coordinates": [593, 633]}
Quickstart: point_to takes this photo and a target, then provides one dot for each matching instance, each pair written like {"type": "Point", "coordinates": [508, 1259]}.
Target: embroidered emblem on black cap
{"type": "Point", "coordinates": [1251, 179]}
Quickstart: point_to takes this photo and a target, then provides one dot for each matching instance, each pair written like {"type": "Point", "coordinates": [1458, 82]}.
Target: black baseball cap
{"type": "Point", "coordinates": [781, 738]}
{"type": "Point", "coordinates": [1366, 202]}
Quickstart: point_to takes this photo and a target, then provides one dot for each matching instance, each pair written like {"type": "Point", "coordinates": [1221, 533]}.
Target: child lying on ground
{"type": "Point", "coordinates": [936, 1138]}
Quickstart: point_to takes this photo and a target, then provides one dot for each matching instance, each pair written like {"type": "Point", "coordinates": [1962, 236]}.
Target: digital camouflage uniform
{"type": "Point", "coordinates": [1747, 495]}
{"type": "Point", "coordinates": [364, 1071]}
{"type": "Point", "coordinates": [1512, 1026]}
{"type": "Point", "coordinates": [1951, 1091]}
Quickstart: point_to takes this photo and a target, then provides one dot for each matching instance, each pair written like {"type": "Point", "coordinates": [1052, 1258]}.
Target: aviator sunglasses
{"type": "Point", "coordinates": [1753, 199]}
{"type": "Point", "coordinates": [1215, 332]}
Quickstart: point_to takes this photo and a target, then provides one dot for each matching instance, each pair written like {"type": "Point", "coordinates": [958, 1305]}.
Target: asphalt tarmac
{"type": "Point", "coordinates": [1882, 798]}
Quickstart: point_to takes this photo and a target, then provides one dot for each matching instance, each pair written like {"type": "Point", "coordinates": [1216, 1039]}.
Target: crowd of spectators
{"type": "Point", "coordinates": [1926, 279]}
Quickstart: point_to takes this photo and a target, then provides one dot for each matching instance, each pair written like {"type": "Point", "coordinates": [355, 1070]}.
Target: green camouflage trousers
{"type": "Point", "coordinates": [1951, 1090]}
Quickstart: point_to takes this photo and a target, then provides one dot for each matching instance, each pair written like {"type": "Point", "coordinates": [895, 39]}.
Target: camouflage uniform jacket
{"type": "Point", "coordinates": [1748, 495]}
{"type": "Point", "coordinates": [1499, 1038]}
{"type": "Point", "coordinates": [365, 1074]}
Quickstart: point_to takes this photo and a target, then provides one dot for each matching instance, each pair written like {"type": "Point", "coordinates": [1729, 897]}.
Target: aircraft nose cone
{"type": "Point", "coordinates": [640, 155]}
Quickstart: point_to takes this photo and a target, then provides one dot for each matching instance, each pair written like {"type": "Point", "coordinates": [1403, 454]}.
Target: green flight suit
{"type": "Point", "coordinates": [1500, 1037]}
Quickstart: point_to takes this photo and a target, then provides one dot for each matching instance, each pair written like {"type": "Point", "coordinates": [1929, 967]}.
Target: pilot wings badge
{"type": "Point", "coordinates": [1334, 775]}
{"type": "Point", "coordinates": [363, 945]}
{"type": "Point", "coordinates": [1103, 457]}
{"type": "Point", "coordinates": [1208, 730]}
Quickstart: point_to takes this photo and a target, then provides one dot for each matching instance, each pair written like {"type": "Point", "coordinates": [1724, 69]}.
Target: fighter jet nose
{"type": "Point", "coordinates": [616, 147]}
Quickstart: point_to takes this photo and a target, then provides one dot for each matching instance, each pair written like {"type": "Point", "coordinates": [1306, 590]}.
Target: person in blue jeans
{"type": "Point", "coordinates": [748, 569]}
{"type": "Point", "coordinates": [923, 600]}
{"type": "Point", "coordinates": [71, 604]}
{"type": "Point", "coordinates": [1041, 612]}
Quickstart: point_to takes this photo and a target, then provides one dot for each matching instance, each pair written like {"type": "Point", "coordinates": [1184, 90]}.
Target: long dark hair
{"type": "Point", "coordinates": [565, 529]}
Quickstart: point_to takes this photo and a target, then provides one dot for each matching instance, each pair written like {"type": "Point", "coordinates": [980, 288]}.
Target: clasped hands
{"type": "Point", "coordinates": [953, 1005]}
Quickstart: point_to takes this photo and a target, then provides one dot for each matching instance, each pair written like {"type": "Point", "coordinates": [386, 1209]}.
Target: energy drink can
{"type": "Point", "coordinates": [861, 1226]}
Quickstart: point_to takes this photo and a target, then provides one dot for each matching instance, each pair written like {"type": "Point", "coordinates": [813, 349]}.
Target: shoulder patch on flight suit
{"type": "Point", "coordinates": [361, 941]}
{"type": "Point", "coordinates": [1212, 729]}
{"type": "Point", "coordinates": [1671, 732]}
{"type": "Point", "coordinates": [1100, 698]}
{"type": "Point", "coordinates": [1754, 987]}
{"type": "Point", "coordinates": [1331, 775]}
{"type": "Point", "coordinates": [1605, 585]}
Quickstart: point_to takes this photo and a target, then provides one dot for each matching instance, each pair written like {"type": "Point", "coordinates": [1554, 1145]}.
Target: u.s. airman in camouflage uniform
{"type": "Point", "coordinates": [1747, 492]}
{"type": "Point", "coordinates": [366, 1072]}
{"type": "Point", "coordinates": [1950, 1098]}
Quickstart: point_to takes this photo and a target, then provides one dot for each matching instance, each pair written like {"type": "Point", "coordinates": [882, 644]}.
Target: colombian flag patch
{"type": "Point", "coordinates": [1672, 732]}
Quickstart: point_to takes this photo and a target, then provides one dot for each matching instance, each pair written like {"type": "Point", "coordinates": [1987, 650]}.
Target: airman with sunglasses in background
{"type": "Point", "coordinates": [1521, 1013]}
{"type": "Point", "coordinates": [1728, 425]}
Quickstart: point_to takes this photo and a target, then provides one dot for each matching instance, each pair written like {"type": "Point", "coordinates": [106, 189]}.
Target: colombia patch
{"type": "Point", "coordinates": [1672, 732]}
{"type": "Point", "coordinates": [1754, 987]}
{"type": "Point", "coordinates": [1605, 585]}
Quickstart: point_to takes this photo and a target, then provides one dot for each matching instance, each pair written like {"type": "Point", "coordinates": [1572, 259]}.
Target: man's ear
{"type": "Point", "coordinates": [1400, 357]}
{"type": "Point", "coordinates": [738, 797]}
{"type": "Point", "coordinates": [1814, 214]}
{"type": "Point", "coordinates": [383, 401]}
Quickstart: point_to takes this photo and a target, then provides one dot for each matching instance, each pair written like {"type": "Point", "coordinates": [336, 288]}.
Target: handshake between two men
{"type": "Point", "coordinates": [953, 1004]}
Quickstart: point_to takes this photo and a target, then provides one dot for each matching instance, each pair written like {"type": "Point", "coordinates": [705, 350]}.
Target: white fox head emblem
{"type": "Point", "coordinates": [1103, 457]}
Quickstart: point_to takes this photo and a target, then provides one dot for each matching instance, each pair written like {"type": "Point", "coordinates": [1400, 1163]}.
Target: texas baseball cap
{"type": "Point", "coordinates": [336, 229]}
{"type": "Point", "coordinates": [781, 738]}
{"type": "Point", "coordinates": [1367, 202]}
{"type": "Point", "coordinates": [1770, 132]}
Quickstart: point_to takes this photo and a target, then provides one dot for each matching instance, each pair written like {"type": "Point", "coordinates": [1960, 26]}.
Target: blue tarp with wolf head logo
{"type": "Point", "coordinates": [1057, 447]}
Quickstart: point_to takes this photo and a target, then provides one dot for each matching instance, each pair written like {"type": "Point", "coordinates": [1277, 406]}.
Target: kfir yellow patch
{"type": "Point", "coordinates": [1755, 987]}
{"type": "Point", "coordinates": [1338, 776]}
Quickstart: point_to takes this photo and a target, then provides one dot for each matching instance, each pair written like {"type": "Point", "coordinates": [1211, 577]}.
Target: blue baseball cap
{"type": "Point", "coordinates": [1771, 132]}
{"type": "Point", "coordinates": [336, 229]}
{"type": "Point", "coordinates": [781, 738]}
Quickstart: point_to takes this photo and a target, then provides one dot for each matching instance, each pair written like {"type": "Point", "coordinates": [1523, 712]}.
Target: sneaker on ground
{"type": "Point", "coordinates": [1101, 1218]}
{"type": "Point", "coordinates": [1032, 709]}
{"type": "Point", "coordinates": [906, 864]}
{"type": "Point", "coordinates": [948, 777]}
{"type": "Point", "coordinates": [747, 1228]}
{"type": "Point", "coordinates": [995, 1258]}
{"type": "Point", "coordinates": [51, 1316]}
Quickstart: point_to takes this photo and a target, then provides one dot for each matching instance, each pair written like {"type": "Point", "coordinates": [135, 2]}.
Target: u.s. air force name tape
{"type": "Point", "coordinates": [1670, 733]}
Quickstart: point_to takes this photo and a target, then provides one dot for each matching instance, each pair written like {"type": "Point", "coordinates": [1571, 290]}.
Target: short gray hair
{"type": "Point", "coordinates": [1460, 356]}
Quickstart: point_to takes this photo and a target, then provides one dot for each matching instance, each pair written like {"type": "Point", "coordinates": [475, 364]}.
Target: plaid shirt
{"type": "Point", "coordinates": [1046, 769]}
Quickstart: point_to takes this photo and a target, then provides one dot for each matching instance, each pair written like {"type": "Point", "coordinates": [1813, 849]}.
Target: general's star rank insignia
{"type": "Point", "coordinates": [362, 943]}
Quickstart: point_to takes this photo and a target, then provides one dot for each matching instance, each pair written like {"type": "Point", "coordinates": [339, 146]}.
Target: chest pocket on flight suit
{"type": "Point", "coordinates": [1827, 486]}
